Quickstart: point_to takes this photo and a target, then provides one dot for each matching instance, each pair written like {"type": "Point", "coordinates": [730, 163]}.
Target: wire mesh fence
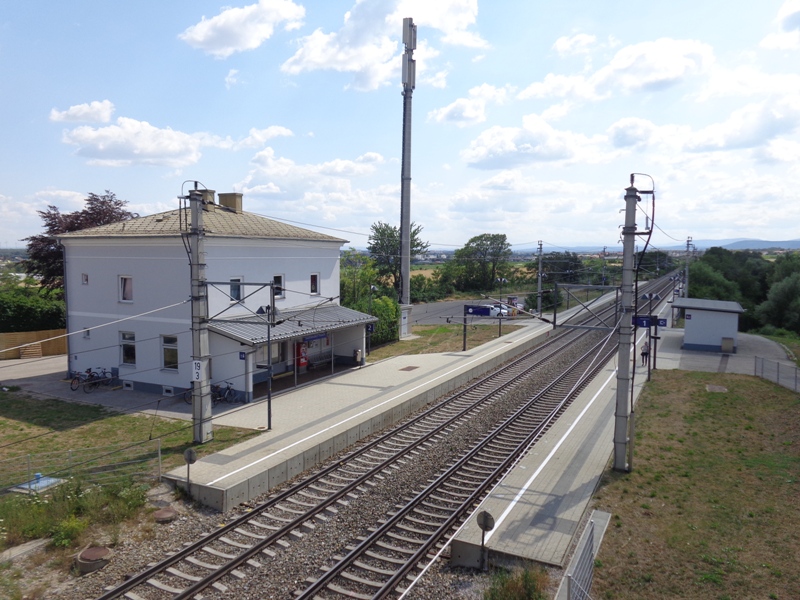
{"type": "Point", "coordinates": [782, 374]}
{"type": "Point", "coordinates": [579, 579]}
{"type": "Point", "coordinates": [30, 473]}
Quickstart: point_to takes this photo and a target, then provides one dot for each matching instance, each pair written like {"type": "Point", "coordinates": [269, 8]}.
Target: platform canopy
{"type": "Point", "coordinates": [289, 324]}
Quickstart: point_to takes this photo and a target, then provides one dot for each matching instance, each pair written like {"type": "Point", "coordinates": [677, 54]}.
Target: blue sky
{"type": "Point", "coordinates": [528, 116]}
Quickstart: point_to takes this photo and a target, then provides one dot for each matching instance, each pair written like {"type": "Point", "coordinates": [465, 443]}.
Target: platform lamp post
{"type": "Point", "coordinates": [650, 296]}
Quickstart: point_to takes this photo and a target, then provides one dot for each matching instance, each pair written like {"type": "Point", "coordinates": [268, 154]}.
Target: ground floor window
{"type": "Point", "coordinates": [278, 353]}
{"type": "Point", "coordinates": [127, 340]}
{"type": "Point", "coordinates": [169, 351]}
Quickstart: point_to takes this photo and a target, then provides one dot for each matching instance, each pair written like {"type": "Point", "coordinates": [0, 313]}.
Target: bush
{"type": "Point", "coordinates": [518, 584]}
{"type": "Point", "coordinates": [65, 512]}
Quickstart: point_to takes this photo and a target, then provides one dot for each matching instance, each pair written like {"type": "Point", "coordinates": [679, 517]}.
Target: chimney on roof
{"type": "Point", "coordinates": [208, 200]}
{"type": "Point", "coordinates": [231, 201]}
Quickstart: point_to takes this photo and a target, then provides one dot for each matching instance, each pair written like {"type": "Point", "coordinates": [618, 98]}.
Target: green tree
{"type": "Point", "coordinates": [384, 248]}
{"type": "Point", "coordinates": [357, 275]}
{"type": "Point", "coordinates": [23, 308]}
{"type": "Point", "coordinates": [707, 283]}
{"type": "Point", "coordinates": [784, 265]}
{"type": "Point", "coordinates": [782, 306]}
{"type": "Point", "coordinates": [484, 259]}
{"type": "Point", "coordinates": [45, 255]}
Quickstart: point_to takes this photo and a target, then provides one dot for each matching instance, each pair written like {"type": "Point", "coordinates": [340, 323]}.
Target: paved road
{"type": "Point", "coordinates": [437, 313]}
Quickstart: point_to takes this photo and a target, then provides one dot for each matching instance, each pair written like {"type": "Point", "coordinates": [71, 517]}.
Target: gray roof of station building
{"type": "Point", "coordinates": [709, 305]}
{"type": "Point", "coordinates": [220, 222]}
{"type": "Point", "coordinates": [253, 329]}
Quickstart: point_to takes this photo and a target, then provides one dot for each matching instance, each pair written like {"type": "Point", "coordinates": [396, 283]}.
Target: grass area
{"type": "Point", "coordinates": [32, 425]}
{"type": "Point", "coordinates": [791, 342]}
{"type": "Point", "coordinates": [439, 338]}
{"type": "Point", "coordinates": [711, 507]}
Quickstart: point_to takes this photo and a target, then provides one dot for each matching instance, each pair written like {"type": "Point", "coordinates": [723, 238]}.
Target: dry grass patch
{"type": "Point", "coordinates": [711, 508]}
{"type": "Point", "coordinates": [439, 338]}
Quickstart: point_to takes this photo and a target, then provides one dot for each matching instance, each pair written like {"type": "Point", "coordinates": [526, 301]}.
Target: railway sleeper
{"type": "Point", "coordinates": [402, 538]}
{"type": "Point", "coordinates": [249, 534]}
{"type": "Point", "coordinates": [361, 580]}
{"type": "Point", "coordinates": [182, 575]}
{"type": "Point", "coordinates": [199, 563]}
{"type": "Point", "coordinates": [407, 529]}
{"type": "Point", "coordinates": [348, 593]}
{"type": "Point", "coordinates": [413, 519]}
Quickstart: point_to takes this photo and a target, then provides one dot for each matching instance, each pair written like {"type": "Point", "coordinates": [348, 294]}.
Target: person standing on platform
{"type": "Point", "coordinates": [645, 353]}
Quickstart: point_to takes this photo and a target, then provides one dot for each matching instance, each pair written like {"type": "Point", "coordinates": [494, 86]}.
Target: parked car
{"type": "Point", "coordinates": [498, 311]}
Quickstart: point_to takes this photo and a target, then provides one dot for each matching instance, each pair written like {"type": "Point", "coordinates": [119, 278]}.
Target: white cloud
{"type": "Point", "coordinates": [130, 142]}
{"type": "Point", "coordinates": [788, 35]}
{"type": "Point", "coordinates": [647, 66]}
{"type": "Point", "coordinates": [471, 110]}
{"type": "Point", "coordinates": [452, 17]}
{"type": "Point", "coordinates": [369, 42]}
{"type": "Point", "coordinates": [242, 28]}
{"type": "Point", "coordinates": [257, 137]}
{"type": "Point", "coordinates": [652, 66]}
{"type": "Point", "coordinates": [323, 191]}
{"type": "Point", "coordinates": [747, 127]}
{"type": "Point", "coordinates": [748, 81]}
{"type": "Point", "coordinates": [231, 78]}
{"type": "Point", "coordinates": [93, 112]}
{"type": "Point", "coordinates": [580, 43]}
{"type": "Point", "coordinates": [631, 131]}
{"type": "Point", "coordinates": [536, 141]}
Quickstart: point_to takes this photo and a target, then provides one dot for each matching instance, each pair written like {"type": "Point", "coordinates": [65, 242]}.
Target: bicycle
{"type": "Point", "coordinates": [188, 394]}
{"type": "Point", "coordinates": [106, 377]}
{"type": "Point", "coordinates": [92, 382]}
{"type": "Point", "coordinates": [227, 395]}
{"type": "Point", "coordinates": [79, 379]}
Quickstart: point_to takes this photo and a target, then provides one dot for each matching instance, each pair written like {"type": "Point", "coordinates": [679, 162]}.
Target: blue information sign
{"type": "Point", "coordinates": [242, 355]}
{"type": "Point", "coordinates": [370, 327]}
{"type": "Point", "coordinates": [481, 311]}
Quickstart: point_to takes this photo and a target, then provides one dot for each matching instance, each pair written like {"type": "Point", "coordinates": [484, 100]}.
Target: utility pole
{"type": "Point", "coordinates": [604, 265]}
{"type": "Point", "coordinates": [409, 77]}
{"type": "Point", "coordinates": [202, 426]}
{"type": "Point", "coordinates": [623, 421]}
{"type": "Point", "coordinates": [686, 272]}
{"type": "Point", "coordinates": [539, 286]}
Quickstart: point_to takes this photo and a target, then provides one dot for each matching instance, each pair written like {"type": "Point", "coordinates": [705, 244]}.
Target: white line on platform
{"type": "Point", "coordinates": [363, 412]}
{"type": "Point", "coordinates": [528, 483]}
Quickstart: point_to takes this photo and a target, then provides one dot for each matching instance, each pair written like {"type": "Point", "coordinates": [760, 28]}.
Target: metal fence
{"type": "Point", "coordinates": [784, 375]}
{"type": "Point", "coordinates": [579, 579]}
{"type": "Point", "coordinates": [29, 473]}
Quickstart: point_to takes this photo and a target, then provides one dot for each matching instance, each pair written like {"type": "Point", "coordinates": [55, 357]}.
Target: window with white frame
{"type": "Point", "coordinates": [125, 288]}
{"type": "Point", "coordinates": [169, 352]}
{"type": "Point", "coordinates": [315, 284]}
{"type": "Point", "coordinates": [236, 289]}
{"type": "Point", "coordinates": [127, 346]}
{"type": "Point", "coordinates": [85, 278]}
{"type": "Point", "coordinates": [278, 286]}
{"type": "Point", "coordinates": [278, 353]}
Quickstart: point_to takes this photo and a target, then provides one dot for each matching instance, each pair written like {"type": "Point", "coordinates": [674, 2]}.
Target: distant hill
{"type": "Point", "coordinates": [763, 245]}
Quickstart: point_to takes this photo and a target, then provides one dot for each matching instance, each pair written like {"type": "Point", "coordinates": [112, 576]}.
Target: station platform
{"type": "Point", "coordinates": [312, 423]}
{"type": "Point", "coordinates": [540, 505]}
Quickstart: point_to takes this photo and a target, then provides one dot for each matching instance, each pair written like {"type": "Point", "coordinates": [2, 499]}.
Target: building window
{"type": "Point", "coordinates": [278, 353]}
{"type": "Point", "coordinates": [85, 278]}
{"type": "Point", "coordinates": [125, 288]}
{"type": "Point", "coordinates": [278, 287]}
{"type": "Point", "coordinates": [236, 289]}
{"type": "Point", "coordinates": [315, 283]}
{"type": "Point", "coordinates": [169, 351]}
{"type": "Point", "coordinates": [127, 344]}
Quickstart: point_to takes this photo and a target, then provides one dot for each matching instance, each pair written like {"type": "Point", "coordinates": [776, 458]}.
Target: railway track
{"type": "Point", "coordinates": [214, 563]}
